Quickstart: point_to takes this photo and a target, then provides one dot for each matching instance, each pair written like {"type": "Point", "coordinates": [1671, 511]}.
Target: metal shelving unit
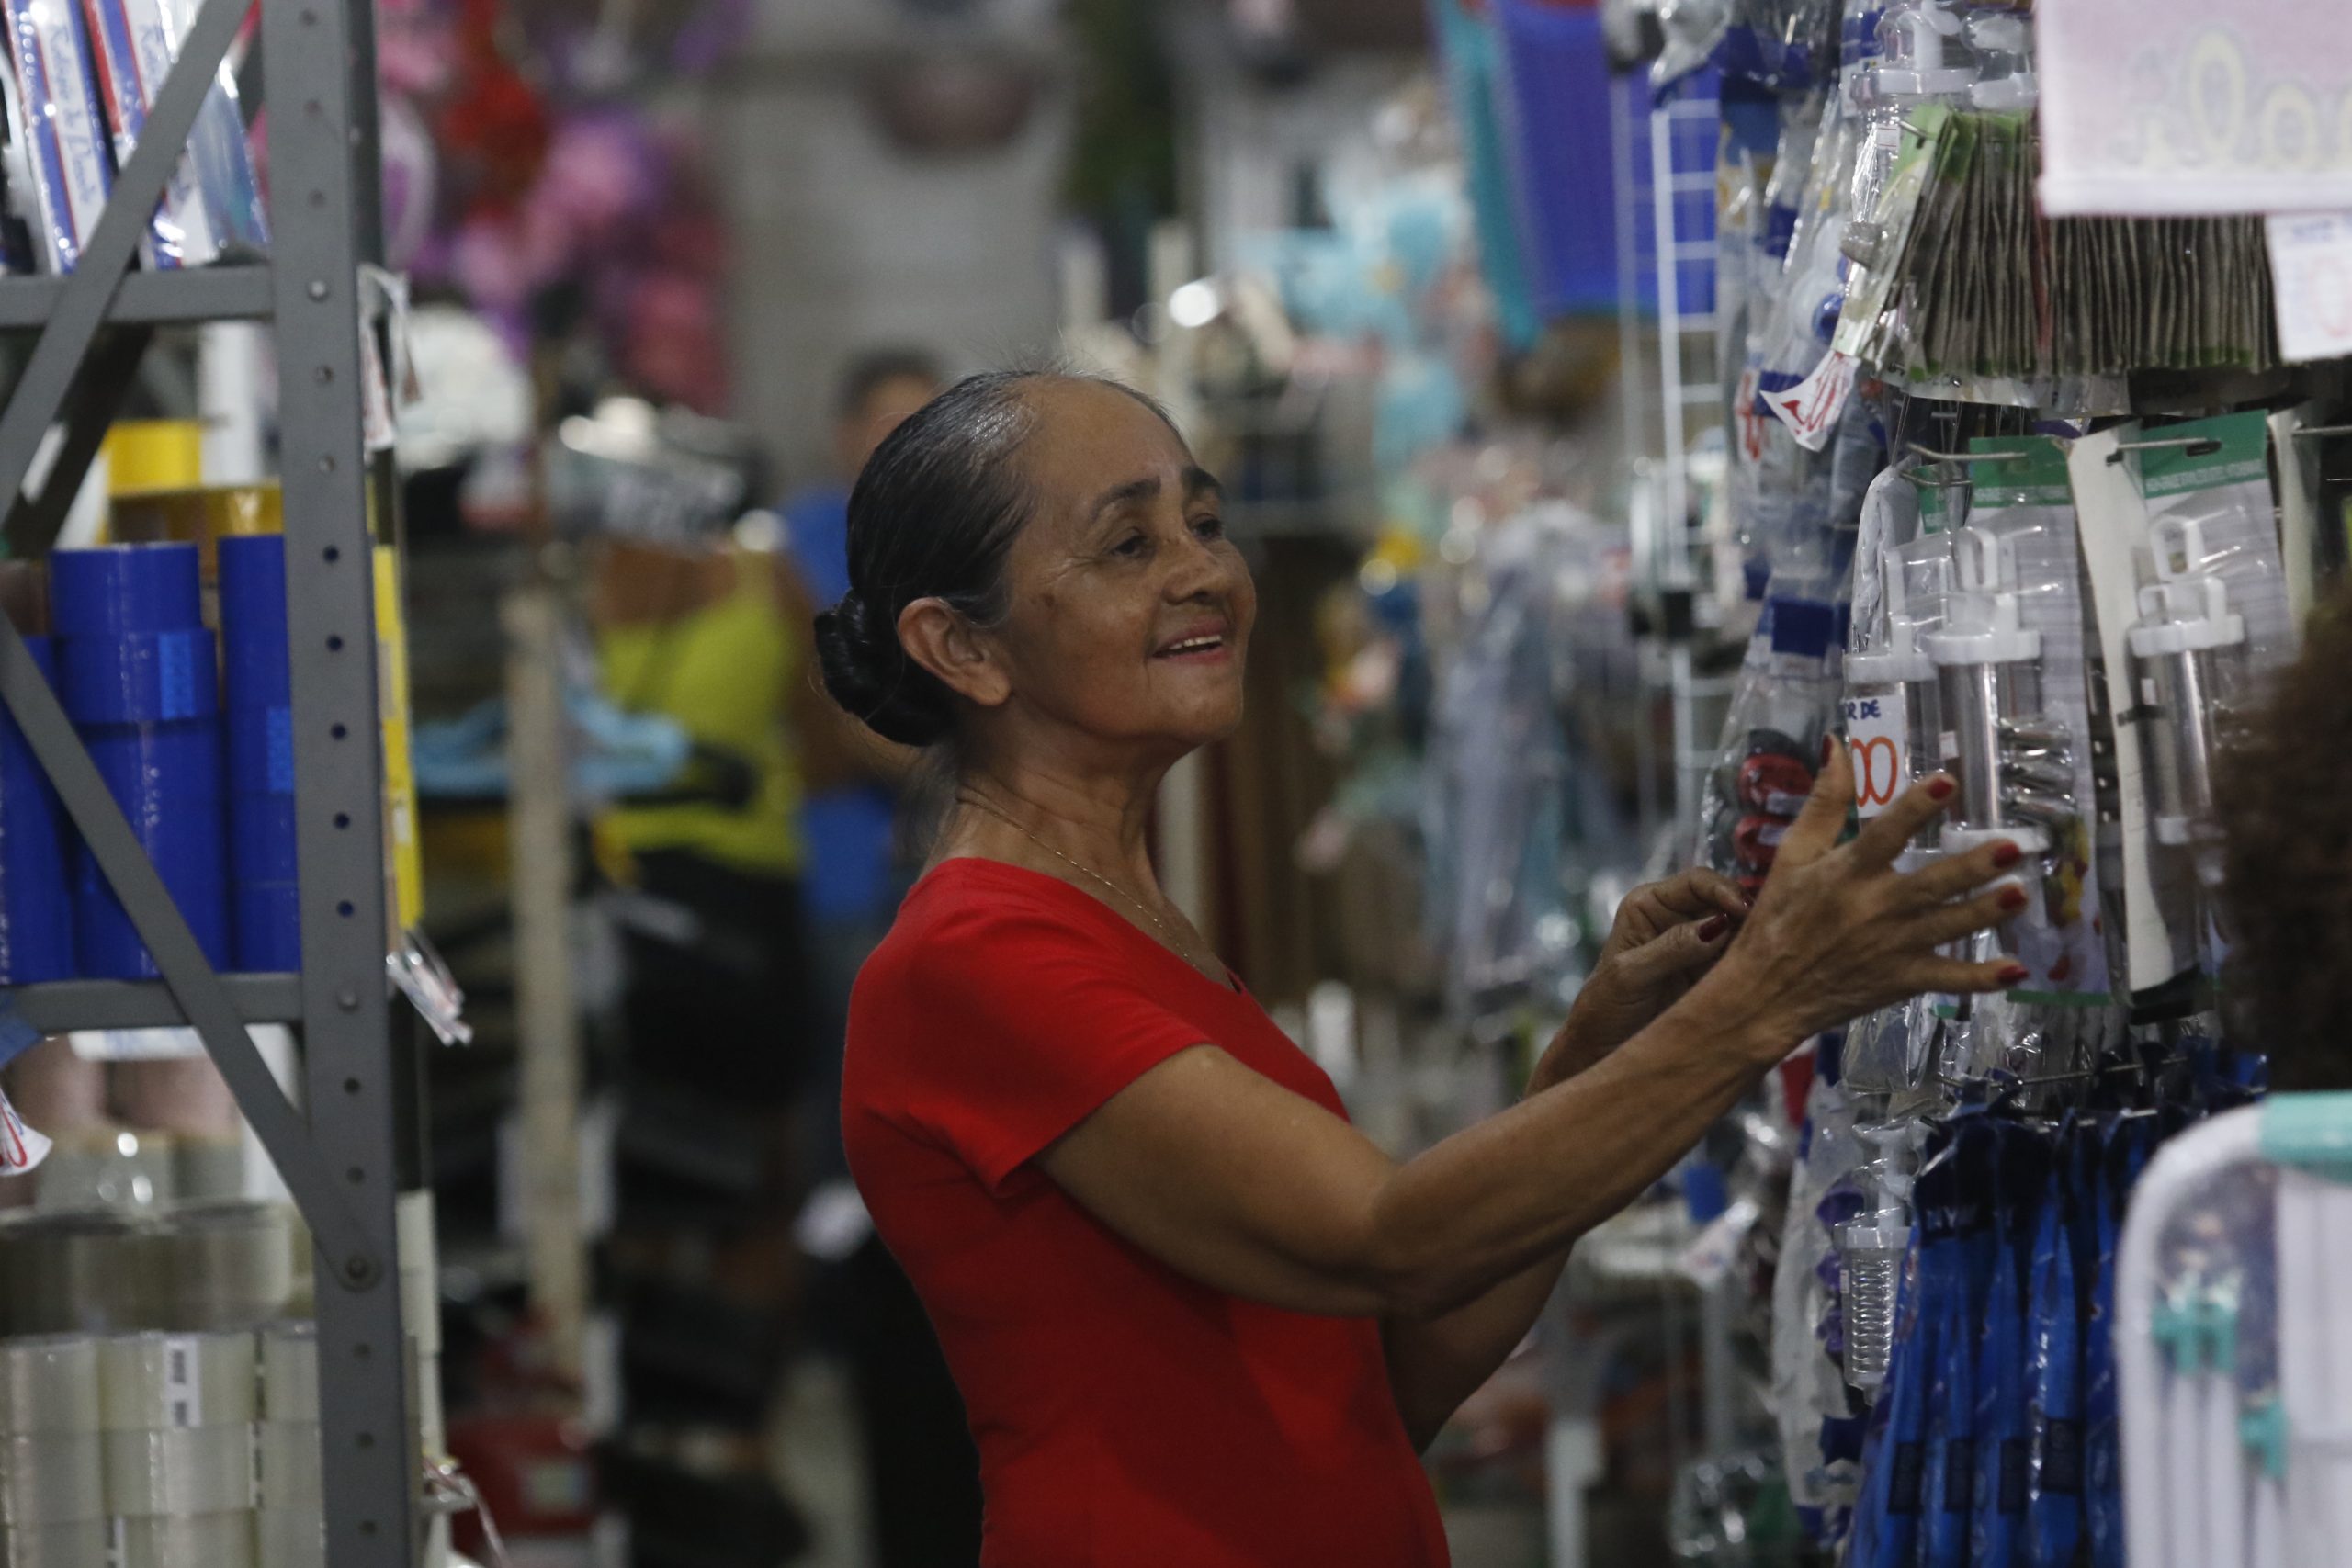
{"type": "Point", "coordinates": [340, 1159]}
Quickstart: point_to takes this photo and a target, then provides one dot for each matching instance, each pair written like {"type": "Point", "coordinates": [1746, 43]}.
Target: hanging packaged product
{"type": "Point", "coordinates": [1870, 1251]}
{"type": "Point", "coordinates": [1783, 707]}
{"type": "Point", "coordinates": [56, 129]}
{"type": "Point", "coordinates": [2016, 713]}
{"type": "Point", "coordinates": [2214, 610]}
{"type": "Point", "coordinates": [2053, 1521]}
{"type": "Point", "coordinates": [2004, 1430]}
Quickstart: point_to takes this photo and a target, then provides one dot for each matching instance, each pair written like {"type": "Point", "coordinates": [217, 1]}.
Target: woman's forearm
{"type": "Point", "coordinates": [1491, 1202]}
{"type": "Point", "coordinates": [1436, 1363]}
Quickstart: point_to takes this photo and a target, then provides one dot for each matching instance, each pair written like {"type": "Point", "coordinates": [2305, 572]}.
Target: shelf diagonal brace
{"type": "Point", "coordinates": [203, 999]}
{"type": "Point", "coordinates": [106, 379]}
{"type": "Point", "coordinates": [66, 339]}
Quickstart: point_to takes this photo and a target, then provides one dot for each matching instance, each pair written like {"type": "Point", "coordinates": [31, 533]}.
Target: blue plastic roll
{"type": "Point", "coordinates": [168, 779]}
{"type": "Point", "coordinates": [269, 926]}
{"type": "Point", "coordinates": [253, 645]}
{"type": "Point", "coordinates": [125, 588]}
{"type": "Point", "coordinates": [261, 750]}
{"type": "Point", "coordinates": [140, 677]}
{"type": "Point", "coordinates": [35, 909]}
{"type": "Point", "coordinates": [258, 681]}
{"type": "Point", "coordinates": [261, 838]}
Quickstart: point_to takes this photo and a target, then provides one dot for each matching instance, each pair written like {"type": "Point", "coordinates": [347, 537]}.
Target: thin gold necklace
{"type": "Point", "coordinates": [969, 798]}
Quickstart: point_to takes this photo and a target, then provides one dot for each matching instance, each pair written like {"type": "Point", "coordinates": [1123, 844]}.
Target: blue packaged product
{"type": "Point", "coordinates": [167, 779]}
{"type": "Point", "coordinates": [2053, 1387]}
{"type": "Point", "coordinates": [1954, 1200]}
{"type": "Point", "coordinates": [125, 588]}
{"type": "Point", "coordinates": [2003, 1427]}
{"type": "Point", "coordinates": [261, 838]}
{"type": "Point", "coordinates": [140, 677]}
{"type": "Point", "coordinates": [1951, 1486]}
{"type": "Point", "coordinates": [36, 910]}
{"type": "Point", "coordinates": [259, 693]}
{"type": "Point", "coordinates": [2102, 1415]}
{"type": "Point", "coordinates": [1886, 1519]}
{"type": "Point", "coordinates": [268, 918]}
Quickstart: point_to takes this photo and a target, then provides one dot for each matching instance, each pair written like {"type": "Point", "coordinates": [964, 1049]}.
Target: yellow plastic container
{"type": "Point", "coordinates": [153, 454]}
{"type": "Point", "coordinates": [196, 514]}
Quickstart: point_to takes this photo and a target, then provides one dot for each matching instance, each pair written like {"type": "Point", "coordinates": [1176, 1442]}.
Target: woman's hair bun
{"type": "Point", "coordinates": [867, 672]}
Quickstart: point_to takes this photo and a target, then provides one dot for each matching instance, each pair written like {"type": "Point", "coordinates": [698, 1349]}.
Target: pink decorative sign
{"type": "Point", "coordinates": [2182, 106]}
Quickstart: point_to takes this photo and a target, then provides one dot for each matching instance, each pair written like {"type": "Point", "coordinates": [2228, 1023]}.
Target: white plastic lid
{"type": "Point", "coordinates": [2020, 90]}
{"type": "Point", "coordinates": [1983, 625]}
{"type": "Point", "coordinates": [2186, 609]}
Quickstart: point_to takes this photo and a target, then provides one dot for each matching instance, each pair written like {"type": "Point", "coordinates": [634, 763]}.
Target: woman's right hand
{"type": "Point", "coordinates": [1838, 932]}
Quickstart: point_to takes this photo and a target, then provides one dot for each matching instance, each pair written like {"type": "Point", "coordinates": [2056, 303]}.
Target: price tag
{"type": "Point", "coordinates": [1810, 409]}
{"type": "Point", "coordinates": [183, 1381]}
{"type": "Point", "coordinates": [1876, 731]}
{"type": "Point", "coordinates": [2311, 259]}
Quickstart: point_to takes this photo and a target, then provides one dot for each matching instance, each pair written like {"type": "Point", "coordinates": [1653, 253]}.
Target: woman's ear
{"type": "Point", "coordinates": [963, 659]}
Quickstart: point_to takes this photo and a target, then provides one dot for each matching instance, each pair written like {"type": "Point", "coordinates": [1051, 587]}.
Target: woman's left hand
{"type": "Point", "coordinates": [1665, 935]}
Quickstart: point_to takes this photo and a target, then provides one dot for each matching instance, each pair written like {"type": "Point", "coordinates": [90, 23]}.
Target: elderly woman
{"type": "Point", "coordinates": [1196, 1317]}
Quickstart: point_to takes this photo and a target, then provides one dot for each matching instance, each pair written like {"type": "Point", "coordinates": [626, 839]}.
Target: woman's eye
{"type": "Point", "coordinates": [1210, 528]}
{"type": "Point", "coordinates": [1129, 547]}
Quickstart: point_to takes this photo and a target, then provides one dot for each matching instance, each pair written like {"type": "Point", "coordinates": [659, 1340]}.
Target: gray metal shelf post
{"type": "Point", "coordinates": [341, 1167]}
{"type": "Point", "coordinates": [326, 221]}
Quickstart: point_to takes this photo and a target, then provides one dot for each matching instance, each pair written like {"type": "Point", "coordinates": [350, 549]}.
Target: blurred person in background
{"type": "Point", "coordinates": [720, 1047]}
{"type": "Point", "coordinates": [923, 1472]}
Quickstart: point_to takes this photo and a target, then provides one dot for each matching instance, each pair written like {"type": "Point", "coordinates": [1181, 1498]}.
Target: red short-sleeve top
{"type": "Point", "coordinates": [1124, 1414]}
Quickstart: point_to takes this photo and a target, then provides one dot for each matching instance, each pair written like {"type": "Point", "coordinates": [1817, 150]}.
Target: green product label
{"type": "Point", "coordinates": [2030, 471]}
{"type": "Point", "coordinates": [2242, 453]}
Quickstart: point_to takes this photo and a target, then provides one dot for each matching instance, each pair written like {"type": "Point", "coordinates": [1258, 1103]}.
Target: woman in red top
{"type": "Point", "coordinates": [1198, 1320]}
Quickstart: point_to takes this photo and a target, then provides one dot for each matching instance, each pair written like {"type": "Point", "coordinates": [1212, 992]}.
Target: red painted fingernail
{"type": "Point", "coordinates": [2012, 897]}
{"type": "Point", "coordinates": [1940, 789]}
{"type": "Point", "coordinates": [2015, 975]}
{"type": "Point", "coordinates": [2007, 854]}
{"type": "Point", "coordinates": [1712, 926]}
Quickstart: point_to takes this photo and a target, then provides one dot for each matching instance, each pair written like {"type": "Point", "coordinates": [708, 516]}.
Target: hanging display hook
{"type": "Point", "coordinates": [2195, 446]}
{"type": "Point", "coordinates": [1938, 483]}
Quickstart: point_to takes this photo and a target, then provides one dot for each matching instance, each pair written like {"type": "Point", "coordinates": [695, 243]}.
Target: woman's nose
{"type": "Point", "coordinates": [1197, 570]}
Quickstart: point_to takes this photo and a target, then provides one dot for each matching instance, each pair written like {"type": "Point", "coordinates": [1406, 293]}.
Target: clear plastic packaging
{"type": "Point", "coordinates": [1998, 740]}
{"type": "Point", "coordinates": [1871, 1250]}
{"type": "Point", "coordinates": [1784, 705]}
{"type": "Point", "coordinates": [57, 130]}
{"type": "Point", "coordinates": [211, 204]}
{"type": "Point", "coordinates": [2010, 658]}
{"type": "Point", "coordinates": [2190, 649]}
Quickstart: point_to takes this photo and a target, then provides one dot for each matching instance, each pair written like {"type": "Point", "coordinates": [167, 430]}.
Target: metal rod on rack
{"type": "Point", "coordinates": [2195, 446]}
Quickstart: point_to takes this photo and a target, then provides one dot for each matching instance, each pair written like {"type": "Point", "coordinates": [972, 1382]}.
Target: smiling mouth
{"type": "Point", "coordinates": [1192, 648]}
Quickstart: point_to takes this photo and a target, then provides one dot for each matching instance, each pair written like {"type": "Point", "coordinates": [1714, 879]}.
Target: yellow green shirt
{"type": "Point", "coordinates": [721, 673]}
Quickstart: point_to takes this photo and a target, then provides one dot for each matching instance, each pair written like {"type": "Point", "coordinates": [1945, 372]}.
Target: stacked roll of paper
{"type": "Point", "coordinates": [292, 1498]}
{"type": "Point", "coordinates": [176, 1429]}
{"type": "Point", "coordinates": [52, 1509]}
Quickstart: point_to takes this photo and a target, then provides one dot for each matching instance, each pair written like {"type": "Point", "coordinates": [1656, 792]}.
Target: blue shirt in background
{"type": "Point", "coordinates": [852, 876]}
